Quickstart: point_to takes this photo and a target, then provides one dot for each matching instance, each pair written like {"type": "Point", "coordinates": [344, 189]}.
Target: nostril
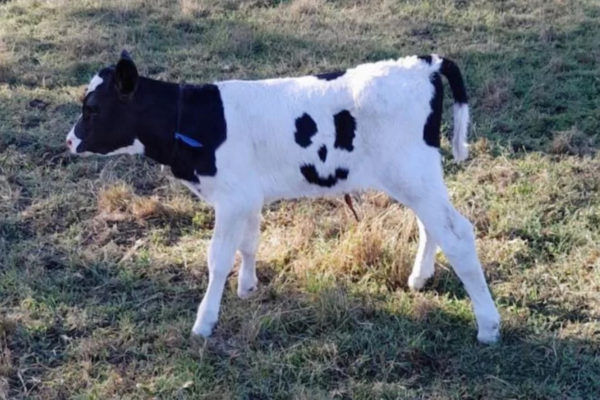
{"type": "Point", "coordinates": [69, 142]}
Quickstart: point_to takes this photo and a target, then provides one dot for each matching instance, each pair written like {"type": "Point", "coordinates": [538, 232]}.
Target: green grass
{"type": "Point", "coordinates": [102, 261]}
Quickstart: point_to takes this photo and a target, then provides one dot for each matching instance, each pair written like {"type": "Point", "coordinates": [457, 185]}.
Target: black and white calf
{"type": "Point", "coordinates": [240, 144]}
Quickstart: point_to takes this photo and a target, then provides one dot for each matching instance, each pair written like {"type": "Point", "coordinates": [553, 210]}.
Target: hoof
{"type": "Point", "coordinates": [416, 282]}
{"type": "Point", "coordinates": [489, 336]}
{"type": "Point", "coordinates": [203, 329]}
{"type": "Point", "coordinates": [247, 293]}
{"type": "Point", "coordinates": [488, 325]}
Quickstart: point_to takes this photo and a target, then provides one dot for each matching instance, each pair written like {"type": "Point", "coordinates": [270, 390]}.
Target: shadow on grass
{"type": "Point", "coordinates": [282, 340]}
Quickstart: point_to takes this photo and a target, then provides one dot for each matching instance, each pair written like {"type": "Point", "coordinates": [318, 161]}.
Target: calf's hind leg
{"type": "Point", "coordinates": [423, 267]}
{"type": "Point", "coordinates": [454, 234]}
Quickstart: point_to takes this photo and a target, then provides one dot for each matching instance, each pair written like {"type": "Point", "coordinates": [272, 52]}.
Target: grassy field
{"type": "Point", "coordinates": [102, 261]}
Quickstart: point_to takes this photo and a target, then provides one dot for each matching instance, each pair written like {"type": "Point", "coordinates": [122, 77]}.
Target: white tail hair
{"type": "Point", "coordinates": [460, 148]}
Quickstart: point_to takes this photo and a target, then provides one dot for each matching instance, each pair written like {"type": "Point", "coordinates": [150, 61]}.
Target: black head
{"type": "Point", "coordinates": [109, 119]}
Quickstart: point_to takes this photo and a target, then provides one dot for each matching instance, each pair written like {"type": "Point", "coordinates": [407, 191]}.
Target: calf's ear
{"type": "Point", "coordinates": [126, 76]}
{"type": "Point", "coordinates": [125, 55]}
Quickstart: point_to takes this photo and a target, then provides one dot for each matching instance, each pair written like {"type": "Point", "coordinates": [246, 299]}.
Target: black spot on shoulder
{"type": "Point", "coordinates": [312, 175]}
{"type": "Point", "coordinates": [203, 120]}
{"type": "Point", "coordinates": [431, 130]}
{"type": "Point", "coordinates": [345, 125]}
{"type": "Point", "coordinates": [323, 153]}
{"type": "Point", "coordinates": [305, 129]}
{"type": "Point", "coordinates": [427, 59]}
{"type": "Point", "coordinates": [329, 76]}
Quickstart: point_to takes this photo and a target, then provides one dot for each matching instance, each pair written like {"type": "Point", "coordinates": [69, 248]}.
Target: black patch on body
{"type": "Point", "coordinates": [306, 127]}
{"type": "Point", "coordinates": [431, 130]}
{"type": "Point", "coordinates": [323, 153]}
{"type": "Point", "coordinates": [451, 71]}
{"type": "Point", "coordinates": [312, 175]}
{"type": "Point", "coordinates": [202, 118]}
{"type": "Point", "coordinates": [329, 76]}
{"type": "Point", "coordinates": [427, 59]}
{"type": "Point", "coordinates": [345, 126]}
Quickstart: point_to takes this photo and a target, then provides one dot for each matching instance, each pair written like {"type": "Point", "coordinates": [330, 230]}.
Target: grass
{"type": "Point", "coordinates": [102, 261]}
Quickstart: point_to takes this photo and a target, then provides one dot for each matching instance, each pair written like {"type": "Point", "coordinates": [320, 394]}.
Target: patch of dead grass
{"type": "Point", "coordinates": [7, 70]}
{"type": "Point", "coordinates": [495, 93]}
{"type": "Point", "coordinates": [204, 8]}
{"type": "Point", "coordinates": [6, 367]}
{"type": "Point", "coordinates": [117, 198]}
{"type": "Point", "coordinates": [302, 8]}
{"type": "Point", "coordinates": [422, 308]}
{"type": "Point", "coordinates": [326, 239]}
{"type": "Point", "coordinates": [571, 141]}
{"type": "Point", "coordinates": [119, 203]}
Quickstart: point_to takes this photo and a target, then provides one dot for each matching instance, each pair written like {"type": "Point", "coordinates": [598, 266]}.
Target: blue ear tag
{"type": "Point", "coordinates": [188, 140]}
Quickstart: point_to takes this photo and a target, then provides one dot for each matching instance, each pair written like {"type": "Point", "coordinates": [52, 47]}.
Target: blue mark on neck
{"type": "Point", "coordinates": [188, 140]}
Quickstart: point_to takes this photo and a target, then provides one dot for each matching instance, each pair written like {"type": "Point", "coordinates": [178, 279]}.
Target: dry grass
{"type": "Point", "coordinates": [119, 203]}
{"type": "Point", "coordinates": [495, 94]}
{"type": "Point", "coordinates": [571, 141]}
{"type": "Point", "coordinates": [302, 8]}
{"type": "Point", "coordinates": [382, 244]}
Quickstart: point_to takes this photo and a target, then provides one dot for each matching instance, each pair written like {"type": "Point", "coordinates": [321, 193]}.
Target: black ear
{"type": "Point", "coordinates": [125, 55]}
{"type": "Point", "coordinates": [126, 76]}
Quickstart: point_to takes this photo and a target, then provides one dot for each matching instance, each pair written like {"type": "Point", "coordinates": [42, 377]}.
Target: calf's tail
{"type": "Point", "coordinates": [450, 70]}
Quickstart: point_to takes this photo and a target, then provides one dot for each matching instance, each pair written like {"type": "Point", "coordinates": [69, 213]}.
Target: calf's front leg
{"type": "Point", "coordinates": [230, 224]}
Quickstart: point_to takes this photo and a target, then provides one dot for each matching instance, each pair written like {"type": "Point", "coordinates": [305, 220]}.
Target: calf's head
{"type": "Point", "coordinates": [108, 121]}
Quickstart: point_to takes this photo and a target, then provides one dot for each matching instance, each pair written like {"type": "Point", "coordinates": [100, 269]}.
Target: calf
{"type": "Point", "coordinates": [239, 144]}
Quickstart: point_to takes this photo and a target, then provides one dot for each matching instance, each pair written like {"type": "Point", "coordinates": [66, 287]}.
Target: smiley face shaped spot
{"type": "Point", "coordinates": [306, 128]}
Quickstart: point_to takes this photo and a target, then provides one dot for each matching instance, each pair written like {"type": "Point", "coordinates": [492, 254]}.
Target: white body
{"type": "Point", "coordinates": [389, 100]}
